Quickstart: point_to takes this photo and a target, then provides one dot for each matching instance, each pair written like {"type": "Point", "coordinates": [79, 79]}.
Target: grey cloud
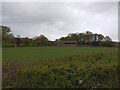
{"type": "Point", "coordinates": [56, 19]}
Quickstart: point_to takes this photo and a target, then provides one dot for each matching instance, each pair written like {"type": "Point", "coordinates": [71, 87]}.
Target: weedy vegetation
{"type": "Point", "coordinates": [60, 67]}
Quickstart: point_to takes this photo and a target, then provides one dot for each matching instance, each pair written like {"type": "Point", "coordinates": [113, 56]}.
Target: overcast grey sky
{"type": "Point", "coordinates": [56, 19]}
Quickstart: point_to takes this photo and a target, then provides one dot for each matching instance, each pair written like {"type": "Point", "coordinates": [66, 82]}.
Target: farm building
{"type": "Point", "coordinates": [94, 42]}
{"type": "Point", "coordinates": [66, 43]}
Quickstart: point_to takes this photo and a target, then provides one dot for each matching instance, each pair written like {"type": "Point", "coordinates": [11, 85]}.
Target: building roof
{"type": "Point", "coordinates": [66, 42]}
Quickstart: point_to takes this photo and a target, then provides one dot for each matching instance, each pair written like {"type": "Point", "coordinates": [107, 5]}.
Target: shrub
{"type": "Point", "coordinates": [8, 45]}
{"type": "Point", "coordinates": [107, 43]}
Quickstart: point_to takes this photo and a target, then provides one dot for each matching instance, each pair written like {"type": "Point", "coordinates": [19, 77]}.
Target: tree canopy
{"type": "Point", "coordinates": [82, 38]}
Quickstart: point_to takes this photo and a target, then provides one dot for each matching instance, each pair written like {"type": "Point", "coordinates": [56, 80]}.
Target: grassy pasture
{"type": "Point", "coordinates": [36, 54]}
{"type": "Point", "coordinates": [39, 67]}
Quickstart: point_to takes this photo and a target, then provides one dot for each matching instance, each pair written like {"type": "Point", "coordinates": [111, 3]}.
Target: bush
{"type": "Point", "coordinates": [8, 45]}
{"type": "Point", "coordinates": [107, 43]}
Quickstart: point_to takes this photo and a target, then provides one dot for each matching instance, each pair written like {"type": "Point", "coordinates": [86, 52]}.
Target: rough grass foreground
{"type": "Point", "coordinates": [81, 70]}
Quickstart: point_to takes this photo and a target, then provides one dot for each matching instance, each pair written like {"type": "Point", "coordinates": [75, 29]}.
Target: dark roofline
{"type": "Point", "coordinates": [66, 42]}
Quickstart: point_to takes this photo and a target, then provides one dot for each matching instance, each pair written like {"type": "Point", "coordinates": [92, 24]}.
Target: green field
{"type": "Point", "coordinates": [35, 54]}
{"type": "Point", "coordinates": [78, 67]}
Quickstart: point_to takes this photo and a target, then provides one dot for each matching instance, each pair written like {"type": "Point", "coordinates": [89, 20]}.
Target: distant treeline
{"type": "Point", "coordinates": [9, 40]}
